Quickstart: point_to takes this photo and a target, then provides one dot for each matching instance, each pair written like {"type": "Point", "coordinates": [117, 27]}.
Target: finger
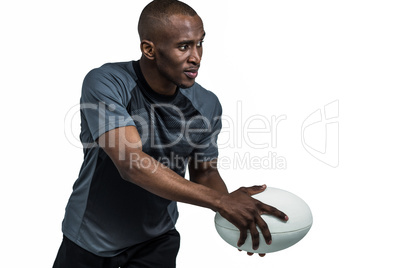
{"type": "Point", "coordinates": [270, 210]}
{"type": "Point", "coordinates": [255, 236]}
{"type": "Point", "coordinates": [264, 230]}
{"type": "Point", "coordinates": [256, 189]}
{"type": "Point", "coordinates": [250, 253]}
{"type": "Point", "coordinates": [261, 254]}
{"type": "Point", "coordinates": [242, 238]}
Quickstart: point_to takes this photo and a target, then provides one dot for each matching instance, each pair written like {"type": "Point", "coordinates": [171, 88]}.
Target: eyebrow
{"type": "Point", "coordinates": [186, 42]}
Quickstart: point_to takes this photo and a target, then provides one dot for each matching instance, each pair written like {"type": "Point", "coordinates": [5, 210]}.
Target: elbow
{"type": "Point", "coordinates": [124, 174]}
{"type": "Point", "coordinates": [136, 167]}
{"type": "Point", "coordinates": [127, 168]}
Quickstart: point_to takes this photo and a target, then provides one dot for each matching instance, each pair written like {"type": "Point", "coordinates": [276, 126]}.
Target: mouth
{"type": "Point", "coordinates": [191, 73]}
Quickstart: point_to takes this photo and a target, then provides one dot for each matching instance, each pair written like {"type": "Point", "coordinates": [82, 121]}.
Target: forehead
{"type": "Point", "coordinates": [184, 27]}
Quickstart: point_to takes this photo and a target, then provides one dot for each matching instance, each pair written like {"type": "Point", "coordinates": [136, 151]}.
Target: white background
{"type": "Point", "coordinates": [275, 57]}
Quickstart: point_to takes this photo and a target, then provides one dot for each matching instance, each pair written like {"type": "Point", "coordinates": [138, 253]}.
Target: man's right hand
{"type": "Point", "coordinates": [245, 212]}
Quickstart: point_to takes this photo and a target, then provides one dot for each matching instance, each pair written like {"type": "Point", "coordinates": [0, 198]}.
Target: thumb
{"type": "Point", "coordinates": [256, 189]}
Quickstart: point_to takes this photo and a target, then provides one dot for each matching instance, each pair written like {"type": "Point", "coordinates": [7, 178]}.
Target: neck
{"type": "Point", "coordinates": [154, 79]}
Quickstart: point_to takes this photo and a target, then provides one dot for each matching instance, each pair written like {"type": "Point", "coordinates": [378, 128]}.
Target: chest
{"type": "Point", "coordinates": [171, 129]}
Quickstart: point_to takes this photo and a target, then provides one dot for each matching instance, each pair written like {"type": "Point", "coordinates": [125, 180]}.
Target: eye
{"type": "Point", "coordinates": [183, 47]}
{"type": "Point", "coordinates": [200, 43]}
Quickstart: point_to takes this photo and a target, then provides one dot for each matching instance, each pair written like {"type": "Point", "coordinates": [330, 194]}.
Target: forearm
{"type": "Point", "coordinates": [215, 183]}
{"type": "Point", "coordinates": [211, 180]}
{"type": "Point", "coordinates": [146, 172]}
{"type": "Point", "coordinates": [206, 173]}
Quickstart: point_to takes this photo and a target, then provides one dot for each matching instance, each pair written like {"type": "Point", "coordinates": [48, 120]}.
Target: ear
{"type": "Point", "coordinates": [148, 49]}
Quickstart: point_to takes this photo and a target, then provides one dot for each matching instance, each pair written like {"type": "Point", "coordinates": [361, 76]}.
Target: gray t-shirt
{"type": "Point", "coordinates": [106, 214]}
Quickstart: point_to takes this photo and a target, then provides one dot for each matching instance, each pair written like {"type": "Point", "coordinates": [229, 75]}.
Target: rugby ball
{"type": "Point", "coordinates": [284, 234]}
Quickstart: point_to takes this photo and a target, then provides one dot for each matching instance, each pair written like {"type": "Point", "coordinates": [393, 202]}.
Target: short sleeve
{"type": "Point", "coordinates": [207, 147]}
{"type": "Point", "coordinates": [103, 103]}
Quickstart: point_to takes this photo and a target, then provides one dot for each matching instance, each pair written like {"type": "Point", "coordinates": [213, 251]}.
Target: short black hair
{"type": "Point", "coordinates": [157, 13]}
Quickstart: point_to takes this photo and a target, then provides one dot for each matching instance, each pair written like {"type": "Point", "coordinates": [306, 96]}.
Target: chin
{"type": "Point", "coordinates": [186, 85]}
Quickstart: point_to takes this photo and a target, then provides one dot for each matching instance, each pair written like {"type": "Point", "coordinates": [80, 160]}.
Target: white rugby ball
{"type": "Point", "coordinates": [284, 234]}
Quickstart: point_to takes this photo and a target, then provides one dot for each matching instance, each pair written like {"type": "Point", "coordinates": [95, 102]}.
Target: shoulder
{"type": "Point", "coordinates": [118, 74]}
{"type": "Point", "coordinates": [205, 101]}
{"type": "Point", "coordinates": [110, 79]}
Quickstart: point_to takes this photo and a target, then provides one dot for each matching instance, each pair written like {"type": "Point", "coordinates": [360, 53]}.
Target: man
{"type": "Point", "coordinates": [142, 123]}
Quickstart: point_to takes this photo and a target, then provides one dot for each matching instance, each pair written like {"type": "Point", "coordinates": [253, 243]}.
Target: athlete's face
{"type": "Point", "coordinates": [178, 51]}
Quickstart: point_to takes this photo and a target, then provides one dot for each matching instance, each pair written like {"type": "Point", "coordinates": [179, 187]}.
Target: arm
{"type": "Point", "coordinates": [121, 144]}
{"type": "Point", "coordinates": [207, 174]}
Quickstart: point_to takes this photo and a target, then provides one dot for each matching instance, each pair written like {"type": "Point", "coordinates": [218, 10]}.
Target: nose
{"type": "Point", "coordinates": [195, 56]}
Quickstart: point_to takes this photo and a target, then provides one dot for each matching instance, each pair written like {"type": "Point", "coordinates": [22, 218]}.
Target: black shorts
{"type": "Point", "coordinates": [157, 252]}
